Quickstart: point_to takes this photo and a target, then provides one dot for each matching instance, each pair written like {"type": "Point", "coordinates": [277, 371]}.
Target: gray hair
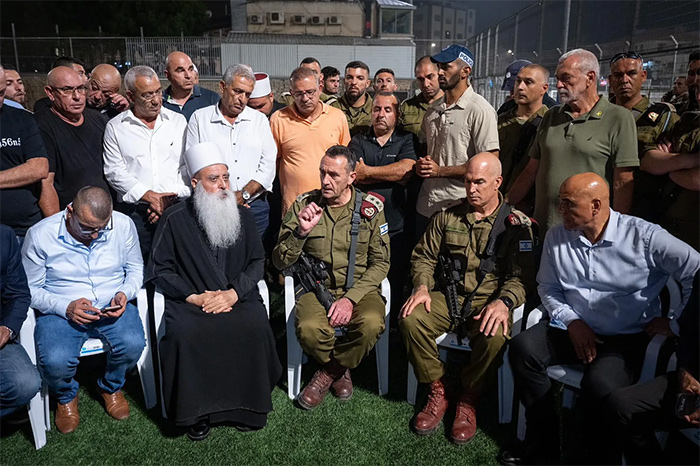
{"type": "Point", "coordinates": [586, 60]}
{"type": "Point", "coordinates": [138, 72]}
{"type": "Point", "coordinates": [239, 69]}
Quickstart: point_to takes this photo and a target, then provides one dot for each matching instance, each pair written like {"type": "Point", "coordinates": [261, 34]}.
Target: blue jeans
{"type": "Point", "coordinates": [260, 208]}
{"type": "Point", "coordinates": [59, 341]}
{"type": "Point", "coordinates": [19, 380]}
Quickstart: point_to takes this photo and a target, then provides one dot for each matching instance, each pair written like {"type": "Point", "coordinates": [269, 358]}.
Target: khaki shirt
{"type": "Point", "coordinates": [360, 118]}
{"type": "Point", "coordinates": [681, 207]}
{"type": "Point", "coordinates": [599, 141]}
{"type": "Point", "coordinates": [329, 241]}
{"type": "Point", "coordinates": [454, 134]}
{"type": "Point", "coordinates": [509, 133]}
{"type": "Point", "coordinates": [457, 231]}
{"type": "Point", "coordinates": [412, 113]}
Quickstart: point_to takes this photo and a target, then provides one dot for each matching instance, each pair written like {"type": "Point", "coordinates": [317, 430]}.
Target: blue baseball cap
{"type": "Point", "coordinates": [512, 73]}
{"type": "Point", "coordinates": [453, 52]}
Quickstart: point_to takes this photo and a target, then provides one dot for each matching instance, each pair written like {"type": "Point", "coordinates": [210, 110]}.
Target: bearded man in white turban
{"type": "Point", "coordinates": [218, 358]}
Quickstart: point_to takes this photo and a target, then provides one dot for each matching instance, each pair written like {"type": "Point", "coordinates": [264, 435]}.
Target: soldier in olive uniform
{"type": "Point", "coordinates": [319, 224]}
{"type": "Point", "coordinates": [677, 158]}
{"type": "Point", "coordinates": [413, 109]}
{"type": "Point", "coordinates": [463, 232]}
{"type": "Point", "coordinates": [355, 101]}
{"type": "Point", "coordinates": [626, 79]}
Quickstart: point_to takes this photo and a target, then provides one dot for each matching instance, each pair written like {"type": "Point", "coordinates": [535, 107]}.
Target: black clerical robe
{"type": "Point", "coordinates": [215, 367]}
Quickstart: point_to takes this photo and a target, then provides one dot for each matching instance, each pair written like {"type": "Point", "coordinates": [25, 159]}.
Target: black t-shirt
{"type": "Point", "coordinates": [401, 145]}
{"type": "Point", "coordinates": [20, 141]}
{"type": "Point", "coordinates": [75, 152]}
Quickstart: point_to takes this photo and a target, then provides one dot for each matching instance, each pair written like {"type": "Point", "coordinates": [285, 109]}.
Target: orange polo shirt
{"type": "Point", "coordinates": [300, 146]}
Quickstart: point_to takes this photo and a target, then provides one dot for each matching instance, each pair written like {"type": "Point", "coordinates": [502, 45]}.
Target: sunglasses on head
{"type": "Point", "coordinates": [621, 55]}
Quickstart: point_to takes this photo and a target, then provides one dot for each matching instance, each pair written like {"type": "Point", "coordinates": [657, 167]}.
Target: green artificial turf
{"type": "Point", "coordinates": [366, 430]}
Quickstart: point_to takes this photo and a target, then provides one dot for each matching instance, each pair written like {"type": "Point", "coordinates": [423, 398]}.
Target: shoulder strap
{"type": "Point", "coordinates": [487, 263]}
{"type": "Point", "coordinates": [354, 233]}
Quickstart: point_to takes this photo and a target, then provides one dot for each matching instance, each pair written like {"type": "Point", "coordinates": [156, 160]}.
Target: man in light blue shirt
{"type": "Point", "coordinates": [599, 280]}
{"type": "Point", "coordinates": [83, 266]}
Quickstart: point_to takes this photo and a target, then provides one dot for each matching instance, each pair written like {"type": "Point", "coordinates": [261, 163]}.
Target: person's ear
{"type": "Point", "coordinates": [596, 206]}
{"type": "Point", "coordinates": [194, 182]}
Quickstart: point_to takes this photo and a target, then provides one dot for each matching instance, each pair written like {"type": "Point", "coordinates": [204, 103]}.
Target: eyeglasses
{"type": "Point", "coordinates": [300, 94]}
{"type": "Point", "coordinates": [621, 55]}
{"type": "Point", "coordinates": [86, 230]}
{"type": "Point", "coordinates": [69, 90]}
{"type": "Point", "coordinates": [148, 96]}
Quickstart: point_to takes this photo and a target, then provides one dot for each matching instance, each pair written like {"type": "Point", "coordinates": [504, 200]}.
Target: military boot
{"type": "Point", "coordinates": [464, 425]}
{"type": "Point", "coordinates": [315, 391]}
{"type": "Point", "coordinates": [428, 420]}
{"type": "Point", "coordinates": [342, 387]}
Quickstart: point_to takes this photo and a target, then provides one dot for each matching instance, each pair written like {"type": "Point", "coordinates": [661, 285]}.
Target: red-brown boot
{"type": "Point", "coordinates": [342, 387]}
{"type": "Point", "coordinates": [316, 390]}
{"type": "Point", "coordinates": [464, 426]}
{"type": "Point", "coordinates": [428, 420]}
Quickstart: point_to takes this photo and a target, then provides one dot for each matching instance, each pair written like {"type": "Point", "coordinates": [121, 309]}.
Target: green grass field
{"type": "Point", "coordinates": [366, 430]}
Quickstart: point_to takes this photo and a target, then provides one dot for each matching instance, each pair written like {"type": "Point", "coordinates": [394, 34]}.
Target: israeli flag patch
{"type": "Point", "coordinates": [525, 246]}
{"type": "Point", "coordinates": [384, 229]}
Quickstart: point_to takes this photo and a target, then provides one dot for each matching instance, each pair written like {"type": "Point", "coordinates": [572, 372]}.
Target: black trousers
{"type": "Point", "coordinates": [617, 365]}
{"type": "Point", "coordinates": [638, 409]}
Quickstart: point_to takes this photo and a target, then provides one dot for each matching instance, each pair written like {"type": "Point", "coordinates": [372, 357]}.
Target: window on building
{"type": "Point", "coordinates": [471, 14]}
{"type": "Point", "coordinates": [438, 18]}
{"type": "Point", "coordinates": [396, 21]}
{"type": "Point", "coordinates": [460, 21]}
{"type": "Point", "coordinates": [460, 36]}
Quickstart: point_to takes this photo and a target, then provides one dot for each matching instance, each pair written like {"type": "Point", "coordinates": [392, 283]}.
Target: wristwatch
{"type": "Point", "coordinates": [507, 301]}
{"type": "Point", "coordinates": [245, 195]}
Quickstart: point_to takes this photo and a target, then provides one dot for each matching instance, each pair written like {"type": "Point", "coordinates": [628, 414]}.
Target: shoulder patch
{"type": "Point", "coordinates": [372, 204]}
{"type": "Point", "coordinates": [518, 218]}
{"type": "Point", "coordinates": [657, 110]}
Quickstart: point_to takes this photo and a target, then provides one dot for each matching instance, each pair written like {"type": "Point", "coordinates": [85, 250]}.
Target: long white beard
{"type": "Point", "coordinates": [218, 215]}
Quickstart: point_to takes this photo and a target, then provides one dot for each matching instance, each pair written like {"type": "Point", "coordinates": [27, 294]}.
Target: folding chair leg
{"type": "Point", "coordinates": [411, 385]}
{"type": "Point", "coordinates": [37, 418]}
{"type": "Point", "coordinates": [505, 391]}
{"type": "Point", "coordinates": [45, 401]}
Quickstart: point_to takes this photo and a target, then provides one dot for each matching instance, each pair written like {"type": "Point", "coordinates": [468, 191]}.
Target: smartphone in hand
{"type": "Point", "coordinates": [687, 404]}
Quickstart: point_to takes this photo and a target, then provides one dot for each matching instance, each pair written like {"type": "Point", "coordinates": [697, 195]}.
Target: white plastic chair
{"type": "Point", "coordinates": [570, 375]}
{"type": "Point", "coordinates": [39, 415]}
{"type": "Point", "coordinates": [505, 374]}
{"type": "Point", "coordinates": [147, 358]}
{"type": "Point", "coordinates": [295, 354]}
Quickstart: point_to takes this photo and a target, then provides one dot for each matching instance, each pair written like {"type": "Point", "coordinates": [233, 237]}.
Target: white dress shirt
{"type": "Point", "coordinates": [614, 284]}
{"type": "Point", "coordinates": [247, 144]}
{"type": "Point", "coordinates": [138, 159]}
{"type": "Point", "coordinates": [60, 269]}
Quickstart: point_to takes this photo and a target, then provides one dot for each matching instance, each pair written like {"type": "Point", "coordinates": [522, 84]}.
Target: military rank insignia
{"type": "Point", "coordinates": [372, 204]}
{"type": "Point", "coordinates": [653, 116]}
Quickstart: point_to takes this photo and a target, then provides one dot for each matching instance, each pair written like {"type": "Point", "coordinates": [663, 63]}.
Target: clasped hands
{"type": "Point", "coordinates": [214, 302]}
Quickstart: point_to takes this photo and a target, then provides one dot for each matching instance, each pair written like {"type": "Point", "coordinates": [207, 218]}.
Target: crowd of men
{"type": "Point", "coordinates": [587, 207]}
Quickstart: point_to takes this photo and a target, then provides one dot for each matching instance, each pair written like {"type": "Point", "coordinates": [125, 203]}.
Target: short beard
{"type": "Point", "coordinates": [218, 216]}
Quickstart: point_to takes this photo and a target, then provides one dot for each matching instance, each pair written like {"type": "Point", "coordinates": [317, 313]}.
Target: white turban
{"type": "Point", "coordinates": [203, 155]}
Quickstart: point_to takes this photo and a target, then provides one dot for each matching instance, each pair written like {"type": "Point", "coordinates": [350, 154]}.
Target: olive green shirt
{"type": "Point", "coordinates": [652, 120]}
{"type": "Point", "coordinates": [599, 141]}
{"type": "Point", "coordinates": [457, 231]}
{"type": "Point", "coordinates": [509, 134]}
{"type": "Point", "coordinates": [329, 241]}
{"type": "Point", "coordinates": [359, 118]}
{"type": "Point", "coordinates": [681, 207]}
{"type": "Point", "coordinates": [412, 113]}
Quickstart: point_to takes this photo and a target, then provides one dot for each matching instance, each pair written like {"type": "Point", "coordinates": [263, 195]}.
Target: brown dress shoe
{"type": "Point", "coordinates": [67, 416]}
{"type": "Point", "coordinates": [116, 405]}
{"type": "Point", "coordinates": [342, 387]}
{"type": "Point", "coordinates": [464, 426]}
{"type": "Point", "coordinates": [315, 391]}
{"type": "Point", "coordinates": [428, 420]}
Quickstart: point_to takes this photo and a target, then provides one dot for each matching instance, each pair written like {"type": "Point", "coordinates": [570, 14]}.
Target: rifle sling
{"type": "Point", "coordinates": [354, 233]}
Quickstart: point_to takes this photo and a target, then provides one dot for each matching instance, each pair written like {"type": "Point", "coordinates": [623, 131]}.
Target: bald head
{"type": "Point", "coordinates": [93, 201]}
{"type": "Point", "coordinates": [486, 162]}
{"type": "Point", "coordinates": [584, 204]}
{"type": "Point", "coordinates": [58, 76]}
{"type": "Point", "coordinates": [482, 180]}
{"type": "Point", "coordinates": [105, 81]}
{"type": "Point", "coordinates": [180, 71]}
